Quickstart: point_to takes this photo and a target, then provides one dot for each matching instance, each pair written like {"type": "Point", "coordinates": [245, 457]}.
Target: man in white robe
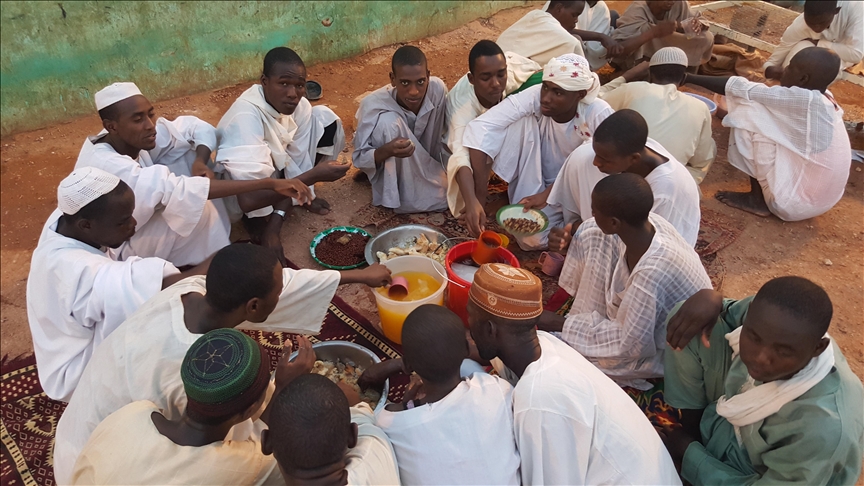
{"type": "Point", "coordinates": [79, 290]}
{"type": "Point", "coordinates": [526, 138]}
{"type": "Point", "coordinates": [621, 144]}
{"type": "Point", "coordinates": [492, 75]}
{"type": "Point", "coordinates": [176, 220]}
{"type": "Point", "coordinates": [141, 361]}
{"type": "Point", "coordinates": [544, 34]}
{"type": "Point", "coordinates": [678, 122]}
{"type": "Point", "coordinates": [225, 375]}
{"type": "Point", "coordinates": [626, 269]}
{"type": "Point", "coordinates": [790, 139]}
{"type": "Point", "coordinates": [400, 140]}
{"type": "Point", "coordinates": [594, 28]}
{"type": "Point", "coordinates": [573, 424]}
{"type": "Point", "coordinates": [647, 26]}
{"type": "Point", "coordinates": [321, 433]}
{"type": "Point", "coordinates": [835, 25]}
{"type": "Point", "coordinates": [272, 130]}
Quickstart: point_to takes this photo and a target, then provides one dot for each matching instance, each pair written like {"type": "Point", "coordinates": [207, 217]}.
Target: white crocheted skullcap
{"type": "Point", "coordinates": [111, 94]}
{"type": "Point", "coordinates": [669, 55]}
{"type": "Point", "coordinates": [82, 187]}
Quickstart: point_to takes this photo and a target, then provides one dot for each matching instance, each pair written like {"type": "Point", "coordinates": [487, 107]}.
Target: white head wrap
{"type": "Point", "coordinates": [669, 55]}
{"type": "Point", "coordinates": [82, 187]}
{"type": "Point", "coordinates": [573, 73]}
{"type": "Point", "coordinates": [109, 95]}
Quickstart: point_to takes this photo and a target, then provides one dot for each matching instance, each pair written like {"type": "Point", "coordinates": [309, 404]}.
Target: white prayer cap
{"type": "Point", "coordinates": [82, 187]}
{"type": "Point", "coordinates": [669, 55]}
{"type": "Point", "coordinates": [111, 94]}
{"type": "Point", "coordinates": [572, 73]}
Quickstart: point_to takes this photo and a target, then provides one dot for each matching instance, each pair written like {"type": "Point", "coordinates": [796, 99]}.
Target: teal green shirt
{"type": "Point", "coordinates": [817, 438]}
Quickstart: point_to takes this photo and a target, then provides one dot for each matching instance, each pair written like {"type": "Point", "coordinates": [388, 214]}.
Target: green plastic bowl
{"type": "Point", "coordinates": [515, 211]}
{"type": "Point", "coordinates": [348, 229]}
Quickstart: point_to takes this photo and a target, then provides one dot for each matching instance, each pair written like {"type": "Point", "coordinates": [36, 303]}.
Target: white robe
{"type": "Point", "coordinates": [539, 37]}
{"type": "Point", "coordinates": [845, 36]}
{"type": "Point", "coordinates": [618, 317]}
{"type": "Point", "coordinates": [576, 426]}
{"type": "Point", "coordinates": [127, 448]}
{"type": "Point", "coordinates": [76, 296]}
{"type": "Point", "coordinates": [462, 107]}
{"type": "Point", "coordinates": [372, 461]}
{"type": "Point", "coordinates": [595, 19]}
{"type": "Point", "coordinates": [680, 123]}
{"type": "Point", "coordinates": [176, 222]}
{"type": "Point", "coordinates": [464, 438]}
{"type": "Point", "coordinates": [257, 142]}
{"type": "Point", "coordinates": [413, 184]}
{"type": "Point", "coordinates": [676, 195]}
{"type": "Point", "coordinates": [793, 141]}
{"type": "Point", "coordinates": [142, 358]}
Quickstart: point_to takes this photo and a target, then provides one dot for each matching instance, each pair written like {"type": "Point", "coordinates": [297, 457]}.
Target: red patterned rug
{"type": "Point", "coordinates": [28, 418]}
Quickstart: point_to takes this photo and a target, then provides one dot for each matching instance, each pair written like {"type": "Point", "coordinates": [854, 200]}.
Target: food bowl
{"type": "Point", "coordinates": [516, 211]}
{"type": "Point", "coordinates": [400, 236]}
{"type": "Point", "coordinates": [313, 91]}
{"type": "Point", "coordinates": [320, 236]}
{"type": "Point", "coordinates": [712, 107]}
{"type": "Point", "coordinates": [349, 353]}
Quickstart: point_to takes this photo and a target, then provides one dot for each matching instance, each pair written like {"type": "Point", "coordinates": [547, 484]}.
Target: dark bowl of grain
{"type": "Point", "coordinates": [340, 248]}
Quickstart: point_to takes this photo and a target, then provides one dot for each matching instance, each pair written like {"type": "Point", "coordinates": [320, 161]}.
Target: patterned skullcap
{"type": "Point", "coordinates": [508, 292]}
{"type": "Point", "coordinates": [82, 187]}
{"type": "Point", "coordinates": [224, 373]}
{"type": "Point", "coordinates": [571, 72]}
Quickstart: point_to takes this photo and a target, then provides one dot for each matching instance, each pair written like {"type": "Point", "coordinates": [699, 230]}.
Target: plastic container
{"type": "Point", "coordinates": [394, 312]}
{"type": "Point", "coordinates": [457, 291]}
{"type": "Point", "coordinates": [485, 252]}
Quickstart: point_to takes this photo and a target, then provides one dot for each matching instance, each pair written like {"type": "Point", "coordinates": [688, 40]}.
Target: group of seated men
{"type": "Point", "coordinates": [151, 365]}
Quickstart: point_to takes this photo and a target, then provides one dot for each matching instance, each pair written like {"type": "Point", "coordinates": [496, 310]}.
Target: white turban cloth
{"type": "Point", "coordinates": [572, 72]}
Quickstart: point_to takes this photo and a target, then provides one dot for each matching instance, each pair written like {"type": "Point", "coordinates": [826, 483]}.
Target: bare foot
{"type": "Point", "coordinates": [745, 201]}
{"type": "Point", "coordinates": [318, 206]}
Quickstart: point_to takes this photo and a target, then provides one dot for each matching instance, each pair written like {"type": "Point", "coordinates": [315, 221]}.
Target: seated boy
{"type": "Point", "coordinates": [399, 143]}
{"type": "Point", "coordinates": [621, 144]}
{"type": "Point", "coordinates": [766, 396]}
{"type": "Point", "coordinates": [526, 138]}
{"type": "Point", "coordinates": [320, 433]}
{"type": "Point", "coordinates": [225, 376]}
{"type": "Point", "coordinates": [573, 425]}
{"type": "Point", "coordinates": [448, 430]}
{"type": "Point", "coordinates": [830, 24]}
{"type": "Point", "coordinates": [544, 34]}
{"type": "Point", "coordinates": [626, 269]}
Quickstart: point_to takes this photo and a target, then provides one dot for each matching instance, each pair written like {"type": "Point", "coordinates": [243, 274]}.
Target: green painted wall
{"type": "Point", "coordinates": [54, 56]}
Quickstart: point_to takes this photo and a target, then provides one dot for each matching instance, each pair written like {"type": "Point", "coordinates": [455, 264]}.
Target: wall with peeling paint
{"type": "Point", "coordinates": [54, 55]}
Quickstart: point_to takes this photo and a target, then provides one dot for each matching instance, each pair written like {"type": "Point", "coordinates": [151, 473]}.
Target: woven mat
{"type": "Point", "coordinates": [28, 418]}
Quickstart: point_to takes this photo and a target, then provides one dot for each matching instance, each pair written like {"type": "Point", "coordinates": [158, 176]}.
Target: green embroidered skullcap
{"type": "Point", "coordinates": [220, 365]}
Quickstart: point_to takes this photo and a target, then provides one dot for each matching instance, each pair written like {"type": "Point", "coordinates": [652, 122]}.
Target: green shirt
{"type": "Point", "coordinates": [817, 438]}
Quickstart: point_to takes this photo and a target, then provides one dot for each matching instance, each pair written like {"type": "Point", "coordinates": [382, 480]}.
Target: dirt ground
{"type": "Point", "coordinates": [827, 249]}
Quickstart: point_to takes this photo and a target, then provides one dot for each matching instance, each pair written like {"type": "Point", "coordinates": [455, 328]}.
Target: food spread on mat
{"type": "Point", "coordinates": [420, 285]}
{"type": "Point", "coordinates": [341, 248]}
{"type": "Point", "coordinates": [522, 225]}
{"type": "Point", "coordinates": [421, 246]}
{"type": "Point", "coordinates": [349, 374]}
